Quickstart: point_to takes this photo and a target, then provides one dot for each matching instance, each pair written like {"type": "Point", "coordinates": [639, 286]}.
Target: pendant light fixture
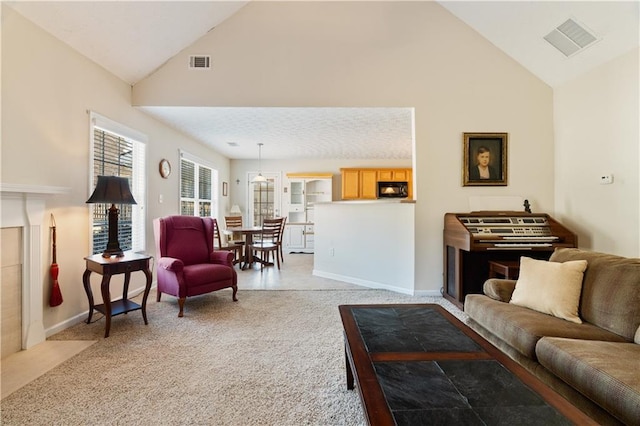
{"type": "Point", "coordinates": [259, 178]}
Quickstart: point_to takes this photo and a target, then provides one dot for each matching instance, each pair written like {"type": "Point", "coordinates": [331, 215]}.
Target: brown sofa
{"type": "Point", "coordinates": [596, 364]}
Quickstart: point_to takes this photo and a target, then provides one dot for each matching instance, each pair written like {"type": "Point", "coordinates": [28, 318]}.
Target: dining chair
{"type": "Point", "coordinates": [269, 242]}
{"type": "Point", "coordinates": [230, 246]}
{"type": "Point", "coordinates": [234, 222]}
{"type": "Point", "coordinates": [284, 221]}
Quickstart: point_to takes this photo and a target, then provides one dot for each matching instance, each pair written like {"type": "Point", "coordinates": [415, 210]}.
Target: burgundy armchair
{"type": "Point", "coordinates": [187, 263]}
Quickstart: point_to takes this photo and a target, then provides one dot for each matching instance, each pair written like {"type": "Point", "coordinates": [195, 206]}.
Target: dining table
{"type": "Point", "coordinates": [248, 232]}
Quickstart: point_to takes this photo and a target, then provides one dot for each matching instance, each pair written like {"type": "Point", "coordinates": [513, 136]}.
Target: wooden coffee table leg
{"type": "Point", "coordinates": [348, 369]}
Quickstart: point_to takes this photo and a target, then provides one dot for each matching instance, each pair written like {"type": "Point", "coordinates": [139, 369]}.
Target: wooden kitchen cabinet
{"type": "Point", "coordinates": [368, 184]}
{"type": "Point", "coordinates": [394, 175]}
{"type": "Point", "coordinates": [362, 184]}
{"type": "Point", "coordinates": [359, 184]}
{"type": "Point", "coordinates": [350, 184]}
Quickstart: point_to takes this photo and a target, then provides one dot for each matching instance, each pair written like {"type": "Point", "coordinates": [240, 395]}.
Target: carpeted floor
{"type": "Point", "coordinates": [272, 358]}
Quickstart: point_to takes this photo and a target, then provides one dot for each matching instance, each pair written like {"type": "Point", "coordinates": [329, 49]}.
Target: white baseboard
{"type": "Point", "coordinates": [428, 293]}
{"type": "Point", "coordinates": [364, 283]}
{"type": "Point", "coordinates": [66, 324]}
{"type": "Point", "coordinates": [81, 317]}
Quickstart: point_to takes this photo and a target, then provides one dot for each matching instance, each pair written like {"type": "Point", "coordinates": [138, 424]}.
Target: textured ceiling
{"type": "Point", "coordinates": [289, 133]}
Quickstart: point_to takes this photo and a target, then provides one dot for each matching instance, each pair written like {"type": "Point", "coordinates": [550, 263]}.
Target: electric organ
{"type": "Point", "coordinates": [472, 240]}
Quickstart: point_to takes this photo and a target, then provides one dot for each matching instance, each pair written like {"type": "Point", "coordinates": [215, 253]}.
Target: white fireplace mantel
{"type": "Point", "coordinates": [24, 206]}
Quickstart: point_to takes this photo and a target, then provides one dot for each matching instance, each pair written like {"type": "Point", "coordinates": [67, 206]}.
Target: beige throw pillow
{"type": "Point", "coordinates": [637, 336]}
{"type": "Point", "coordinates": [550, 287]}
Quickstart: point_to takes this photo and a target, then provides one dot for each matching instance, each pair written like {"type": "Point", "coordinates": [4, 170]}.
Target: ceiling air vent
{"type": "Point", "coordinates": [200, 62]}
{"type": "Point", "coordinates": [570, 38]}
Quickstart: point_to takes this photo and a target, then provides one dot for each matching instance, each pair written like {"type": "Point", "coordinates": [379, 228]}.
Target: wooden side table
{"type": "Point", "coordinates": [509, 269]}
{"type": "Point", "coordinates": [107, 267]}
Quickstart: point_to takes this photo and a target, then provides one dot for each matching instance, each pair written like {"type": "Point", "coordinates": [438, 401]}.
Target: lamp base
{"type": "Point", "coordinates": [113, 246]}
{"type": "Point", "coordinates": [112, 252]}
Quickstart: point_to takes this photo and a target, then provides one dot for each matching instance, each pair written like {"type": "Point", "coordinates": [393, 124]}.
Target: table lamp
{"type": "Point", "coordinates": [114, 190]}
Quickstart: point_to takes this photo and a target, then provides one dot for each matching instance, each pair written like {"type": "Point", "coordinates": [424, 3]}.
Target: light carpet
{"type": "Point", "coordinates": [272, 358]}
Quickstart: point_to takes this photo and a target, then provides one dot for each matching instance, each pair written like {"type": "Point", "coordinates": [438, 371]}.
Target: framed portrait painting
{"type": "Point", "coordinates": [485, 159]}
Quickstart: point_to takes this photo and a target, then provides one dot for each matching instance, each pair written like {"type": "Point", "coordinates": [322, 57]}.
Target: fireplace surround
{"type": "Point", "coordinates": [23, 206]}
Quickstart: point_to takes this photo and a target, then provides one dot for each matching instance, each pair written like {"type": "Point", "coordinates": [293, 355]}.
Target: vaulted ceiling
{"type": "Point", "coordinates": [133, 39]}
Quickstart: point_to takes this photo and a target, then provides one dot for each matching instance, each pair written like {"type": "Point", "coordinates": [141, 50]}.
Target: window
{"type": "Point", "coordinates": [197, 183]}
{"type": "Point", "coordinates": [118, 151]}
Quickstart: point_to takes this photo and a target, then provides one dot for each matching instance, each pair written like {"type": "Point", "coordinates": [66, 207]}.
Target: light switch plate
{"type": "Point", "coordinates": [606, 179]}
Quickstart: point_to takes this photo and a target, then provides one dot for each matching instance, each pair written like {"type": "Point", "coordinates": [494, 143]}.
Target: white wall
{"type": "Point", "coordinates": [597, 132]}
{"type": "Point", "coordinates": [47, 89]}
{"type": "Point", "coordinates": [372, 54]}
{"type": "Point", "coordinates": [369, 243]}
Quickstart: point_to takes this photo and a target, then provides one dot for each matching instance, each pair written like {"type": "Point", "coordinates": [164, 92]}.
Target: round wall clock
{"type": "Point", "coordinates": [165, 168]}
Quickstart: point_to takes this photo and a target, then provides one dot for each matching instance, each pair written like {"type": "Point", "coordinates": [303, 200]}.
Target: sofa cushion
{"type": "Point", "coordinates": [206, 273]}
{"type": "Point", "coordinates": [610, 290]}
{"type": "Point", "coordinates": [637, 336]}
{"type": "Point", "coordinates": [499, 289]}
{"type": "Point", "coordinates": [522, 327]}
{"type": "Point", "coordinates": [608, 373]}
{"type": "Point", "coordinates": [550, 287]}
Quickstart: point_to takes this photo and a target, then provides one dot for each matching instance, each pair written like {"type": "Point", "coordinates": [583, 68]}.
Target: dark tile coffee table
{"type": "Point", "coordinates": [419, 365]}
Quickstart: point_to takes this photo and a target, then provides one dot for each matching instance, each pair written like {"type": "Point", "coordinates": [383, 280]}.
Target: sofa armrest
{"type": "Point", "coordinates": [171, 264]}
{"type": "Point", "coordinates": [222, 257]}
{"type": "Point", "coordinates": [499, 289]}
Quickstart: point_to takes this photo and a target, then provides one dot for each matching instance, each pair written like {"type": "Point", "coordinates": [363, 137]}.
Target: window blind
{"type": "Point", "coordinates": [113, 154]}
{"type": "Point", "coordinates": [187, 187]}
{"type": "Point", "coordinates": [197, 194]}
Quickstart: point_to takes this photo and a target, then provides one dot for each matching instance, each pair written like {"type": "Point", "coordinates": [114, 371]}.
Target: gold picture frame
{"type": "Point", "coordinates": [484, 156]}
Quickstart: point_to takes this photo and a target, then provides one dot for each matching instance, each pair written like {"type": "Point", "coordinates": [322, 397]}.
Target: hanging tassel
{"type": "Point", "coordinates": [56, 294]}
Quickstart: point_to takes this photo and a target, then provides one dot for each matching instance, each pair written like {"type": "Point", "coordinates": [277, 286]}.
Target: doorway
{"type": "Point", "coordinates": [263, 198]}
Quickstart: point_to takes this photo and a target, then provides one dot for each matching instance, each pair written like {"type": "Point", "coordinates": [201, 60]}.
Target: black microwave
{"type": "Point", "coordinates": [398, 189]}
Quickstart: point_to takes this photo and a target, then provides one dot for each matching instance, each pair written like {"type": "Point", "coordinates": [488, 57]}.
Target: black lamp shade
{"type": "Point", "coordinates": [112, 189]}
